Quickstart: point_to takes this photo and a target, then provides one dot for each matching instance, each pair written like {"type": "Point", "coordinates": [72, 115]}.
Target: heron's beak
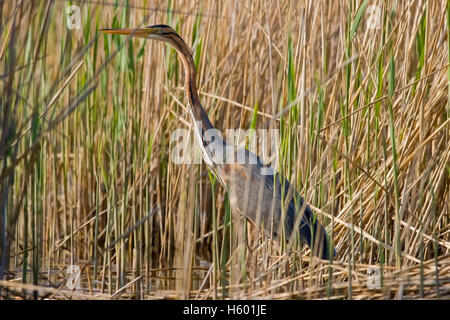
{"type": "Point", "coordinates": [137, 32]}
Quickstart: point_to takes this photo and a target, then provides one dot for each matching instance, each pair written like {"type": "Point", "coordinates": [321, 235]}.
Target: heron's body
{"type": "Point", "coordinates": [269, 201]}
{"type": "Point", "coordinates": [256, 192]}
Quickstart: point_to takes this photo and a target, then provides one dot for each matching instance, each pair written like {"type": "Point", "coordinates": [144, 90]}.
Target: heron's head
{"type": "Point", "coordinates": [160, 32]}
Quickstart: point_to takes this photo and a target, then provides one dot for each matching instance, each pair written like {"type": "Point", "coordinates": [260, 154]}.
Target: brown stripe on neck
{"type": "Point", "coordinates": [191, 87]}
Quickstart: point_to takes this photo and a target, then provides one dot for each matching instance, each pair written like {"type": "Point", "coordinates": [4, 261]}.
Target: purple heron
{"type": "Point", "coordinates": [256, 192]}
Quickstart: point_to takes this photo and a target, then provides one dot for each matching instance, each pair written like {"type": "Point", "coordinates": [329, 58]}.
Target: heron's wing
{"type": "Point", "coordinates": [299, 217]}
{"type": "Point", "coordinates": [269, 200]}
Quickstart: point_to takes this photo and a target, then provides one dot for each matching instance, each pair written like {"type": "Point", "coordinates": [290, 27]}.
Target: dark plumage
{"type": "Point", "coordinates": [258, 194]}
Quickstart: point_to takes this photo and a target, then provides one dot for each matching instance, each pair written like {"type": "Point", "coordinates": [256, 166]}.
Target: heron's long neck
{"type": "Point", "coordinates": [210, 152]}
{"type": "Point", "coordinates": [191, 87]}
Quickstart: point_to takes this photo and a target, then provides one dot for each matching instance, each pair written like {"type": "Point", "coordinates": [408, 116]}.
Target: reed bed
{"type": "Point", "coordinates": [358, 91]}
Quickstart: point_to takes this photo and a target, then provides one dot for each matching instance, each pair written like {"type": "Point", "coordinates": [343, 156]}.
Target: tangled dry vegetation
{"type": "Point", "coordinates": [86, 178]}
